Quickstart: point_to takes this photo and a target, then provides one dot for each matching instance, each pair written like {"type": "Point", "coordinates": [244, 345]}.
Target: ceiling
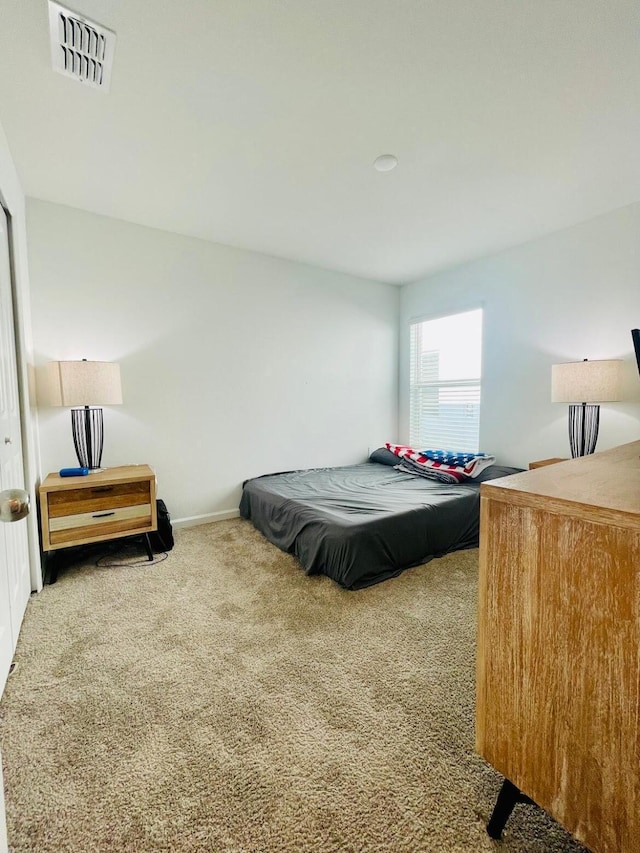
{"type": "Point", "coordinates": [256, 122]}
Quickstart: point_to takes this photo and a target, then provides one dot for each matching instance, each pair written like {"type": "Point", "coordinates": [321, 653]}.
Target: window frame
{"type": "Point", "coordinates": [474, 383]}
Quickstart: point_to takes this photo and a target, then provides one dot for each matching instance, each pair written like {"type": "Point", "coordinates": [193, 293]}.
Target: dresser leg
{"type": "Point", "coordinates": [508, 797]}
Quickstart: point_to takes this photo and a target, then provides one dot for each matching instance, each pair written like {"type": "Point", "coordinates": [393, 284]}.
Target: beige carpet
{"type": "Point", "coordinates": [223, 701]}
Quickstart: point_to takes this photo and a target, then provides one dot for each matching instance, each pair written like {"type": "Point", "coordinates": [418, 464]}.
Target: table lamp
{"type": "Point", "coordinates": [86, 386]}
{"type": "Point", "coordinates": [585, 384]}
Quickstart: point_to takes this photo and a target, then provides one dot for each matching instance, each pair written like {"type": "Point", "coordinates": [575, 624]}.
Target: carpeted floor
{"type": "Point", "coordinates": [223, 701]}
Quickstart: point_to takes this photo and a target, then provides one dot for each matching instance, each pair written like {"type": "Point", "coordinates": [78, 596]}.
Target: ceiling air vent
{"type": "Point", "coordinates": [80, 48]}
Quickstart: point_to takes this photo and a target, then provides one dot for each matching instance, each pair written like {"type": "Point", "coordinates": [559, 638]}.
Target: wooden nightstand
{"type": "Point", "coordinates": [542, 462]}
{"type": "Point", "coordinates": [104, 505]}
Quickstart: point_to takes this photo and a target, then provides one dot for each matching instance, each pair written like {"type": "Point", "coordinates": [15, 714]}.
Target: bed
{"type": "Point", "coordinates": [361, 524]}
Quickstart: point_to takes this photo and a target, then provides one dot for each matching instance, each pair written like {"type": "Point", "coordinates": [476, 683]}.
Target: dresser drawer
{"type": "Point", "coordinates": [97, 499]}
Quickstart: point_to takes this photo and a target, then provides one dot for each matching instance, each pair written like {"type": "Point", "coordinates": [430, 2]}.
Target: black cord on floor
{"type": "Point", "coordinates": [108, 561]}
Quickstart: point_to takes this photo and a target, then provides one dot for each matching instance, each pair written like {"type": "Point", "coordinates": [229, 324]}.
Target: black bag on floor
{"type": "Point", "coordinates": [162, 539]}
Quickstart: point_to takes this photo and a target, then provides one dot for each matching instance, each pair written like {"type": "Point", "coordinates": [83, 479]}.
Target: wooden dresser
{"type": "Point", "coordinates": [558, 678]}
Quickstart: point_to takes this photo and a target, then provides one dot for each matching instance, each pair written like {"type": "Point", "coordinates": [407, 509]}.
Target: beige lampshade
{"type": "Point", "coordinates": [84, 383]}
{"type": "Point", "coordinates": [586, 381]}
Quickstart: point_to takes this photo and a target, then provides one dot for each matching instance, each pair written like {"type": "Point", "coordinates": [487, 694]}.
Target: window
{"type": "Point", "coordinates": [444, 401]}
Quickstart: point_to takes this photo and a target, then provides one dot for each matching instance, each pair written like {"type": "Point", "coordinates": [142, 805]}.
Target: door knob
{"type": "Point", "coordinates": [14, 504]}
{"type": "Point", "coordinates": [7, 439]}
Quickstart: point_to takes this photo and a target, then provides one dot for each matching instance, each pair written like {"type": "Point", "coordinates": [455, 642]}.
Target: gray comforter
{"type": "Point", "coordinates": [361, 524]}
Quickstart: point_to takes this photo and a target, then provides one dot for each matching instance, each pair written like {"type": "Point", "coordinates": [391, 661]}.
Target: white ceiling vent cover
{"type": "Point", "coordinates": [80, 48]}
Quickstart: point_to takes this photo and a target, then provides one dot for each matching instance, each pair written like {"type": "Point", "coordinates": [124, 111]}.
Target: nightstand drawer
{"type": "Point", "coordinates": [104, 516]}
{"type": "Point", "coordinates": [97, 499]}
{"type": "Point", "coordinates": [69, 528]}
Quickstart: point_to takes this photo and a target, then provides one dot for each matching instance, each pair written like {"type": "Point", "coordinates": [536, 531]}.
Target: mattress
{"type": "Point", "coordinates": [362, 524]}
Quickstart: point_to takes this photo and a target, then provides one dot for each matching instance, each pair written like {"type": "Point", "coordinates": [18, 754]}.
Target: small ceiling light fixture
{"type": "Point", "coordinates": [385, 162]}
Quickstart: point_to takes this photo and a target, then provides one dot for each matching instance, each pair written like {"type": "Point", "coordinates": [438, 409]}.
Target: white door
{"type": "Point", "coordinates": [15, 583]}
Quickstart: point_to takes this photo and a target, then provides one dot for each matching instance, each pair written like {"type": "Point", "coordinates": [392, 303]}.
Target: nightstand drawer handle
{"type": "Point", "coordinates": [102, 514]}
{"type": "Point", "coordinates": [102, 489]}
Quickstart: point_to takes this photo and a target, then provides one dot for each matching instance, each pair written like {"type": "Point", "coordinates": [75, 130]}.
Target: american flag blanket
{"type": "Point", "coordinates": [447, 466]}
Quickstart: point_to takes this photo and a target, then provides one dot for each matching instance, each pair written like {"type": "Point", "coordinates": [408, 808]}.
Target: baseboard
{"type": "Point", "coordinates": [207, 518]}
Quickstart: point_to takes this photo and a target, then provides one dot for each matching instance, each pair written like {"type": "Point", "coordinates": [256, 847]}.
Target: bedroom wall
{"type": "Point", "coordinates": [233, 363]}
{"type": "Point", "coordinates": [571, 295]}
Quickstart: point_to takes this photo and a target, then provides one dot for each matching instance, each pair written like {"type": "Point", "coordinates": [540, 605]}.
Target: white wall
{"type": "Point", "coordinates": [233, 363]}
{"type": "Point", "coordinates": [571, 295]}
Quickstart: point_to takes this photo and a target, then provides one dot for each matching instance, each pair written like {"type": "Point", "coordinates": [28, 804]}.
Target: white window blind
{"type": "Point", "coordinates": [444, 402]}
